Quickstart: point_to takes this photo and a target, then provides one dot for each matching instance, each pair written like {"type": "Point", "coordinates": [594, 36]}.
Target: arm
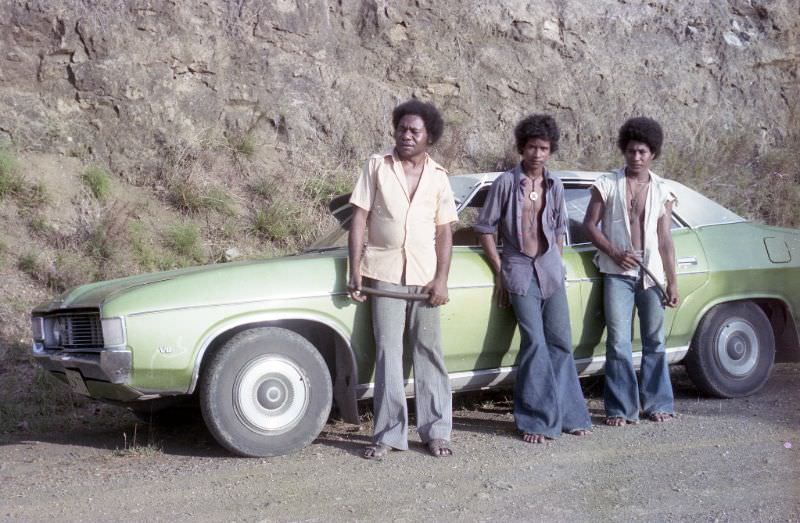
{"type": "Point", "coordinates": [437, 288]}
{"type": "Point", "coordinates": [489, 246]}
{"type": "Point", "coordinates": [594, 213]}
{"type": "Point", "coordinates": [666, 248]}
{"type": "Point", "coordinates": [355, 247]}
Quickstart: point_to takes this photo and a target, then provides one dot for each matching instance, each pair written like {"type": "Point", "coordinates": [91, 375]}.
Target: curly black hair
{"type": "Point", "coordinates": [434, 124]}
{"type": "Point", "coordinates": [641, 129]}
{"type": "Point", "coordinates": [542, 126]}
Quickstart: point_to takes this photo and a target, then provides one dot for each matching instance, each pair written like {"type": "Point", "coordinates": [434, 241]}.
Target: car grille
{"type": "Point", "coordinates": [75, 331]}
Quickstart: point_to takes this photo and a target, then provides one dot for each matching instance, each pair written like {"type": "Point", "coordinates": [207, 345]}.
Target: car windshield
{"type": "Point", "coordinates": [335, 238]}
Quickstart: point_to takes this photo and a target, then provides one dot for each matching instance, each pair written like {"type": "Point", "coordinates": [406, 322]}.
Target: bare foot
{"type": "Point", "coordinates": [660, 416]}
{"type": "Point", "coordinates": [615, 421]}
{"type": "Point", "coordinates": [579, 432]}
{"type": "Point", "coordinates": [439, 448]}
{"type": "Point", "coordinates": [533, 438]}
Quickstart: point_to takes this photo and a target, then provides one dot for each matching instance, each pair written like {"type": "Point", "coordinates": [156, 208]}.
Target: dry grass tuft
{"type": "Point", "coordinates": [736, 171]}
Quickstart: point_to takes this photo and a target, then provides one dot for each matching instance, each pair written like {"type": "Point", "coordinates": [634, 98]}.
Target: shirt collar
{"type": "Point", "coordinates": [390, 154]}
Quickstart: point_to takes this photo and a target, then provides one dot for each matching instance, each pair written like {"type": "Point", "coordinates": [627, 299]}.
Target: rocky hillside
{"type": "Point", "coordinates": [123, 81]}
{"type": "Point", "coordinates": [145, 134]}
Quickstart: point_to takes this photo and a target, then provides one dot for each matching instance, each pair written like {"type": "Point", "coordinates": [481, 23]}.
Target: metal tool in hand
{"type": "Point", "coordinates": [393, 294]}
{"type": "Point", "coordinates": [661, 289]}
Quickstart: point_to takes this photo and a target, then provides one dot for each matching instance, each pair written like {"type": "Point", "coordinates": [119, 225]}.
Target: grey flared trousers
{"type": "Point", "coordinates": [391, 319]}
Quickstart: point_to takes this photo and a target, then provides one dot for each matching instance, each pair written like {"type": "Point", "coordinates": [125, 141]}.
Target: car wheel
{"type": "Point", "coordinates": [266, 392]}
{"type": "Point", "coordinates": [732, 351]}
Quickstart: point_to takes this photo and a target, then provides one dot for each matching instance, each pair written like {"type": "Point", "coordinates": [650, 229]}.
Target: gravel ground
{"type": "Point", "coordinates": [720, 460]}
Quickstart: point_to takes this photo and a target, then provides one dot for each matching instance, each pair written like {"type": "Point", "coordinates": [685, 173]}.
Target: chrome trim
{"type": "Point", "coordinates": [234, 303]}
{"type": "Point", "coordinates": [714, 224]}
{"type": "Point", "coordinates": [259, 318]}
{"type": "Point", "coordinates": [687, 260]}
{"type": "Point", "coordinates": [113, 366]}
{"type": "Point", "coordinates": [484, 379]}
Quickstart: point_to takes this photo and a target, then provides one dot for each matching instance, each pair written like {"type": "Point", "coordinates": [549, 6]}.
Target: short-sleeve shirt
{"type": "Point", "coordinates": [401, 232]}
{"type": "Point", "coordinates": [616, 223]}
{"type": "Point", "coordinates": [502, 211]}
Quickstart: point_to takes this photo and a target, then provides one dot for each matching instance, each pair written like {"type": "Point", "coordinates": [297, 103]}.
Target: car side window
{"type": "Point", "coordinates": [577, 200]}
{"type": "Point", "coordinates": [463, 234]}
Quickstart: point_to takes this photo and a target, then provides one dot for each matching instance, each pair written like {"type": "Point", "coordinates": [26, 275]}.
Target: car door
{"type": "Point", "coordinates": [478, 336]}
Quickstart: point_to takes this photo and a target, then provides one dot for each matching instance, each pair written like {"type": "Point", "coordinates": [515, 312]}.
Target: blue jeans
{"type": "Point", "coordinates": [624, 396]}
{"type": "Point", "coordinates": [547, 395]}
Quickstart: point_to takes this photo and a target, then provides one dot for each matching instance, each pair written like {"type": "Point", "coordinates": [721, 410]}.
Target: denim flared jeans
{"type": "Point", "coordinates": [547, 394]}
{"type": "Point", "coordinates": [624, 395]}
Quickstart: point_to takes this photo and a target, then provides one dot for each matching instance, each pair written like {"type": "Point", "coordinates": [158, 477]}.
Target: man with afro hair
{"type": "Point", "coordinates": [525, 207]}
{"type": "Point", "coordinates": [404, 204]}
{"type": "Point", "coordinates": [635, 208]}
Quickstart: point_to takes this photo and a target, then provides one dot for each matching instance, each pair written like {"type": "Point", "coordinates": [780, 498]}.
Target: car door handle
{"type": "Point", "coordinates": [687, 260]}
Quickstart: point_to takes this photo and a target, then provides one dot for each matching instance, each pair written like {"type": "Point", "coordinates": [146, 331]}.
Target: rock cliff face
{"type": "Point", "coordinates": [121, 81]}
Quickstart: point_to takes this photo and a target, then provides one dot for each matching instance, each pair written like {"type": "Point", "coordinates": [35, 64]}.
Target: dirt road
{"type": "Point", "coordinates": [721, 460]}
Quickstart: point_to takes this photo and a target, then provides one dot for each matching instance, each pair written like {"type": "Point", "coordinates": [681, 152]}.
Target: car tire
{"type": "Point", "coordinates": [266, 392]}
{"type": "Point", "coordinates": [732, 351]}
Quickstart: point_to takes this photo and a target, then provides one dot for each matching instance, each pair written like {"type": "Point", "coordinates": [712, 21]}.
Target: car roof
{"type": "Point", "coordinates": [693, 208]}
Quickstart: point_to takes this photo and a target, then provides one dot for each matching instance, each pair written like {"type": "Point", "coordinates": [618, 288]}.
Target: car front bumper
{"type": "Point", "coordinates": [103, 374]}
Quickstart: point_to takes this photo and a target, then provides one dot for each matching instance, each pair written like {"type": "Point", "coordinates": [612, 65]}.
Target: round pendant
{"type": "Point", "coordinates": [533, 196]}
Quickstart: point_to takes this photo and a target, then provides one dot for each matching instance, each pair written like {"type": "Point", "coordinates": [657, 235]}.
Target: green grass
{"type": "Point", "coordinates": [189, 197]}
{"type": "Point", "coordinates": [38, 224]}
{"type": "Point", "coordinates": [11, 183]}
{"type": "Point", "coordinates": [218, 199]}
{"type": "Point", "coordinates": [281, 222]}
{"type": "Point", "coordinates": [323, 187]}
{"type": "Point", "coordinates": [29, 264]}
{"type": "Point", "coordinates": [98, 181]}
{"type": "Point", "coordinates": [184, 240]}
{"type": "Point", "coordinates": [143, 247]}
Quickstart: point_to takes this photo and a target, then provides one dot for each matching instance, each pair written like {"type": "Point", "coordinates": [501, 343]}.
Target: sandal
{"type": "Point", "coordinates": [376, 451]}
{"type": "Point", "coordinates": [439, 448]}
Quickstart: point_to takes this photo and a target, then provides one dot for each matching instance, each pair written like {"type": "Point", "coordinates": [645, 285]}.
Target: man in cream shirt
{"type": "Point", "coordinates": [404, 203]}
{"type": "Point", "coordinates": [635, 207]}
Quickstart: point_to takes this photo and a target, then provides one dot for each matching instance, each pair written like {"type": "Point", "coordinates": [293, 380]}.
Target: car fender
{"type": "Point", "coordinates": [791, 326]}
{"type": "Point", "coordinates": [346, 366]}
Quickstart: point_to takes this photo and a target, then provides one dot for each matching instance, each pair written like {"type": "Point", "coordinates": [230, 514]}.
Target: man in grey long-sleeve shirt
{"type": "Point", "coordinates": [525, 206]}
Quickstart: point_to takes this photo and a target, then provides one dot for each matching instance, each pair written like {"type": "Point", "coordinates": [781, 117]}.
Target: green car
{"type": "Point", "coordinates": [267, 347]}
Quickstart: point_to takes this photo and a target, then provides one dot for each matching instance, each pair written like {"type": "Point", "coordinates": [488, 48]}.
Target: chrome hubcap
{"type": "Point", "coordinates": [271, 394]}
{"type": "Point", "coordinates": [737, 348]}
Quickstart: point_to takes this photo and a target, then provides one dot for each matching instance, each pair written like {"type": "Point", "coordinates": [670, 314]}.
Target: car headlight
{"type": "Point", "coordinates": [37, 328]}
{"type": "Point", "coordinates": [113, 332]}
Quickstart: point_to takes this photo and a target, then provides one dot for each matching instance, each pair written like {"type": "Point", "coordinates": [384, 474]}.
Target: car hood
{"type": "Point", "coordinates": [278, 278]}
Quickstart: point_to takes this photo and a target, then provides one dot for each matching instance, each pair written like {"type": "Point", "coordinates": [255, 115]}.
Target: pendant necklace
{"type": "Point", "coordinates": [635, 195]}
{"type": "Point", "coordinates": [533, 196]}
